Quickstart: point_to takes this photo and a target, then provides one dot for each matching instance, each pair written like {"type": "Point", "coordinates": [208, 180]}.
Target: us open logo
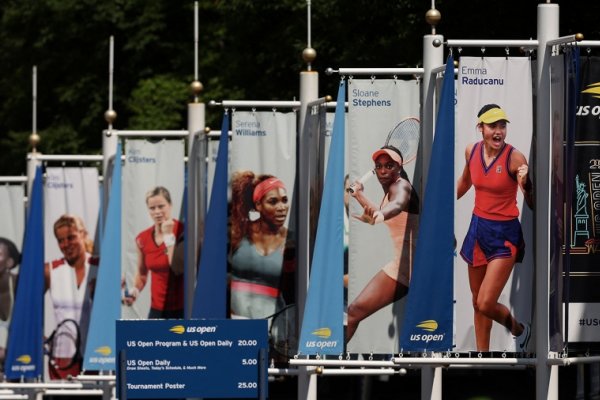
{"type": "Point", "coordinates": [429, 326]}
{"type": "Point", "coordinates": [594, 91]}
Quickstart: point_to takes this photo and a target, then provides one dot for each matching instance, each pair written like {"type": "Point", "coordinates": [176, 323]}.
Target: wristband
{"type": "Point", "coordinates": [133, 293]}
{"type": "Point", "coordinates": [169, 239]}
{"type": "Point", "coordinates": [378, 217]}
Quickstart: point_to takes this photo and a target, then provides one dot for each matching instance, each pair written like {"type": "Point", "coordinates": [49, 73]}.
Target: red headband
{"type": "Point", "coordinates": [265, 186]}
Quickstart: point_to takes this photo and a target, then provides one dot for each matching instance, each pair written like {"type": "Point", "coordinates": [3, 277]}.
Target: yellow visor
{"type": "Point", "coordinates": [493, 115]}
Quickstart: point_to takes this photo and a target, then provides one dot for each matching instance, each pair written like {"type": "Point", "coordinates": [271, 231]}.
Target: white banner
{"type": "Point", "coordinates": [375, 108]}
{"type": "Point", "coordinates": [71, 190]}
{"type": "Point", "coordinates": [506, 82]}
{"type": "Point", "coordinates": [148, 165]}
{"type": "Point", "coordinates": [263, 143]}
{"type": "Point", "coordinates": [12, 215]}
{"type": "Point", "coordinates": [74, 191]}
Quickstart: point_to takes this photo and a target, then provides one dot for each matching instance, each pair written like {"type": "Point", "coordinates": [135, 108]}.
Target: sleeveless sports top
{"type": "Point", "coordinates": [248, 264]}
{"type": "Point", "coordinates": [495, 186]}
{"type": "Point", "coordinates": [166, 286]}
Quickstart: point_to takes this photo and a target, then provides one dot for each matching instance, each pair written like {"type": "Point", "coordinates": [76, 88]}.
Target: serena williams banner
{"type": "Point", "coordinates": [152, 193]}
{"type": "Point", "coordinates": [262, 242]}
{"type": "Point", "coordinates": [380, 253]}
{"type": "Point", "coordinates": [504, 86]}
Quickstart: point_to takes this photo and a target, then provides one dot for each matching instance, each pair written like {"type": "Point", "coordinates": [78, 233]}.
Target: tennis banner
{"type": "Point", "coordinates": [582, 236]}
{"type": "Point", "coordinates": [72, 205]}
{"type": "Point", "coordinates": [152, 194]}
{"type": "Point", "coordinates": [506, 82]}
{"type": "Point", "coordinates": [100, 351]}
{"type": "Point", "coordinates": [263, 178]}
{"type": "Point", "coordinates": [24, 357]}
{"type": "Point", "coordinates": [375, 107]}
{"type": "Point", "coordinates": [323, 325]}
{"type": "Point", "coordinates": [11, 239]}
{"type": "Point", "coordinates": [262, 237]}
{"type": "Point", "coordinates": [210, 295]}
{"type": "Point", "coordinates": [70, 190]}
{"type": "Point", "coordinates": [12, 213]}
{"type": "Point", "coordinates": [428, 318]}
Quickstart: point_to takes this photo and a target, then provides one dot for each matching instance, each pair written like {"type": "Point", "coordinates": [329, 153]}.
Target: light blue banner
{"type": "Point", "coordinates": [323, 325]}
{"type": "Point", "coordinates": [99, 352]}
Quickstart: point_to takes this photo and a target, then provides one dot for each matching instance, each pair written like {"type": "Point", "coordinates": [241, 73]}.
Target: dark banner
{"type": "Point", "coordinates": [583, 226]}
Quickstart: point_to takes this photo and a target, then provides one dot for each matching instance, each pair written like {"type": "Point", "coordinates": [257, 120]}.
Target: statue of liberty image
{"type": "Point", "coordinates": [581, 214]}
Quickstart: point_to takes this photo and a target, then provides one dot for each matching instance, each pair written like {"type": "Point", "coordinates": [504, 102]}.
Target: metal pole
{"type": "Point", "coordinates": [433, 57]}
{"type": "Point", "coordinates": [196, 197]}
{"type": "Point", "coordinates": [546, 376]}
{"type": "Point", "coordinates": [263, 376]}
{"type": "Point", "coordinates": [34, 107]}
{"type": "Point", "coordinates": [109, 141]}
{"type": "Point", "coordinates": [309, 89]}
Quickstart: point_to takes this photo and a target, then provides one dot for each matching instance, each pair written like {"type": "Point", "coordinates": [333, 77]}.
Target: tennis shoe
{"type": "Point", "coordinates": [523, 339]}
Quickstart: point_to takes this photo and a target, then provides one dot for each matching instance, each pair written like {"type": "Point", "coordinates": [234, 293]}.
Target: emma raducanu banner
{"type": "Point", "coordinates": [375, 107]}
{"type": "Point", "coordinates": [583, 237]}
{"type": "Point", "coordinates": [506, 82]}
{"type": "Point", "coordinates": [152, 194]}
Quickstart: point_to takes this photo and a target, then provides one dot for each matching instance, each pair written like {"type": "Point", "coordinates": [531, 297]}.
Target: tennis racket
{"type": "Point", "coordinates": [404, 137]}
{"type": "Point", "coordinates": [283, 334]}
{"type": "Point", "coordinates": [64, 343]}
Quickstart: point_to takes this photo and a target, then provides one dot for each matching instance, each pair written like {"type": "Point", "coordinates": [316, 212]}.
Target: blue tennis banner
{"type": "Point", "coordinates": [192, 358]}
{"type": "Point", "coordinates": [428, 321]}
{"type": "Point", "coordinates": [100, 347]}
{"type": "Point", "coordinates": [323, 325]}
{"type": "Point", "coordinates": [24, 356]}
{"type": "Point", "coordinates": [210, 296]}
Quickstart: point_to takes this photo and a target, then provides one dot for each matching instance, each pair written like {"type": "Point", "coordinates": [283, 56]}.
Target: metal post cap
{"type": "Point", "coordinates": [110, 116]}
{"type": "Point", "coordinates": [34, 140]}
{"type": "Point", "coordinates": [433, 17]}
{"type": "Point", "coordinates": [196, 87]}
{"type": "Point", "coordinates": [309, 54]}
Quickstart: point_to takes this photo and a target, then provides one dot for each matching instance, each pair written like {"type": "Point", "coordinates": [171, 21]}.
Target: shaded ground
{"type": "Point", "coordinates": [457, 384]}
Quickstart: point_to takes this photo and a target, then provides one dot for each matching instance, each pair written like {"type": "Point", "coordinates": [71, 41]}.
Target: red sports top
{"type": "Point", "coordinates": [495, 185]}
{"type": "Point", "coordinates": [166, 287]}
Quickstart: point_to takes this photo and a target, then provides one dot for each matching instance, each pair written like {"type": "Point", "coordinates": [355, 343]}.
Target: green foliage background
{"type": "Point", "coordinates": [248, 50]}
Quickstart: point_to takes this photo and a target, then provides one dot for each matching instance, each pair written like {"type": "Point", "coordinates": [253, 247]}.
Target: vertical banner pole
{"type": "Point", "coordinates": [196, 200]}
{"type": "Point", "coordinates": [309, 89]}
{"type": "Point", "coordinates": [122, 388]}
{"type": "Point", "coordinates": [263, 384]}
{"type": "Point", "coordinates": [433, 57]}
{"type": "Point", "coordinates": [546, 376]}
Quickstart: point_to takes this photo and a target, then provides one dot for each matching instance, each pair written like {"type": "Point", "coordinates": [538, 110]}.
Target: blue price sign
{"type": "Point", "coordinates": [191, 358]}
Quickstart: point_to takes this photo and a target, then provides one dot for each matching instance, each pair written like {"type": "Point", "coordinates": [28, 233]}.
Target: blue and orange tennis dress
{"type": "Point", "coordinates": [495, 230]}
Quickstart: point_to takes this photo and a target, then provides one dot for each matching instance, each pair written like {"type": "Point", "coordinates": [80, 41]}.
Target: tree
{"type": "Point", "coordinates": [248, 50]}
